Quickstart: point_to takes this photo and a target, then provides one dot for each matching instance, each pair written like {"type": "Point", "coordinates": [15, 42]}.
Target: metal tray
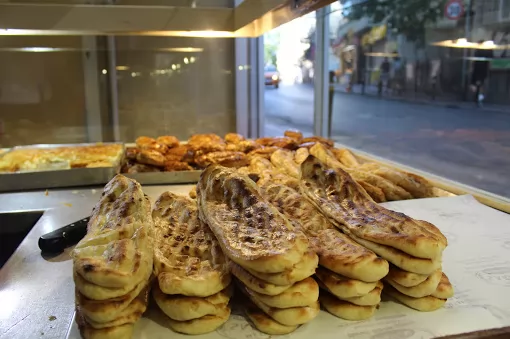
{"type": "Point", "coordinates": [159, 178]}
{"type": "Point", "coordinates": [164, 178]}
{"type": "Point", "coordinates": [59, 178]}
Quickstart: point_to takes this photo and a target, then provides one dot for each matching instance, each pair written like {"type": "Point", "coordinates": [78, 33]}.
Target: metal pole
{"type": "Point", "coordinates": [114, 94]}
{"type": "Point", "coordinates": [91, 73]}
{"type": "Point", "coordinates": [465, 52]}
{"type": "Point", "coordinates": [331, 93]}
{"type": "Point", "coordinates": [322, 120]}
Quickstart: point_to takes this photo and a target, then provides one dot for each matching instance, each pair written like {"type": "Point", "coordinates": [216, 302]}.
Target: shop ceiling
{"type": "Point", "coordinates": [187, 18]}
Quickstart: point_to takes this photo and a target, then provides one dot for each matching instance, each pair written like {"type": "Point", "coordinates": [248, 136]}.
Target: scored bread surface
{"type": "Point", "coordinates": [336, 251]}
{"type": "Point", "coordinates": [339, 197]}
{"type": "Point", "coordinates": [118, 247]}
{"type": "Point", "coordinates": [187, 257]}
{"type": "Point", "coordinates": [250, 230]}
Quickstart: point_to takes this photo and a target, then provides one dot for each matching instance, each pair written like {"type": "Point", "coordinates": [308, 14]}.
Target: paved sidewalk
{"type": "Point", "coordinates": [419, 98]}
{"type": "Point", "coordinates": [468, 145]}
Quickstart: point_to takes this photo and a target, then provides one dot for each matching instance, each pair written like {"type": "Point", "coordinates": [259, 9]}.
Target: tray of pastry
{"type": "Point", "coordinates": [166, 160]}
{"type": "Point", "coordinates": [59, 165]}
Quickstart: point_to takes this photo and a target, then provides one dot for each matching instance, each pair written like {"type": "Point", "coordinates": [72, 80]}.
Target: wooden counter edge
{"type": "Point", "coordinates": [495, 333]}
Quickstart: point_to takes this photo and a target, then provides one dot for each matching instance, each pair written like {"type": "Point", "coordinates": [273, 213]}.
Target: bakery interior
{"type": "Point", "coordinates": [109, 106]}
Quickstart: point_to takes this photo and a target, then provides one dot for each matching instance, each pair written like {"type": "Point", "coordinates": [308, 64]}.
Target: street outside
{"type": "Point", "coordinates": [468, 144]}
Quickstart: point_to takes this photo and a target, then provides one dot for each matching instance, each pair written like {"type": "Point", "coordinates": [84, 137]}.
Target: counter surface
{"type": "Point", "coordinates": [36, 292]}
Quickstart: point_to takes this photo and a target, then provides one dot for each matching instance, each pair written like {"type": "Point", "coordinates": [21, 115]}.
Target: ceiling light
{"type": "Point", "coordinates": [104, 71]}
{"type": "Point", "coordinates": [186, 61]}
{"type": "Point", "coordinates": [122, 68]}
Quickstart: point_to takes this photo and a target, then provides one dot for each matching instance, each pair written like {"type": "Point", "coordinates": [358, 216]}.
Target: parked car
{"type": "Point", "coordinates": [271, 76]}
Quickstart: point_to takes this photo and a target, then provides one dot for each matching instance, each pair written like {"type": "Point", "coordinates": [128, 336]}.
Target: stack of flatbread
{"type": "Point", "coordinates": [349, 274]}
{"type": "Point", "coordinates": [272, 261]}
{"type": "Point", "coordinates": [414, 247]}
{"type": "Point", "coordinates": [380, 182]}
{"type": "Point", "coordinates": [193, 282]}
{"type": "Point", "coordinates": [113, 262]}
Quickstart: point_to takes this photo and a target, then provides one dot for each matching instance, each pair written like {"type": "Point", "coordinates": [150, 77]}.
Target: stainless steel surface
{"type": "Point", "coordinates": [251, 18]}
{"type": "Point", "coordinates": [73, 177]}
{"type": "Point", "coordinates": [34, 289]}
{"type": "Point", "coordinates": [165, 178]}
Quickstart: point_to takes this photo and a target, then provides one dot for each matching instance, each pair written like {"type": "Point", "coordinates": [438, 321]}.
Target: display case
{"type": "Point", "coordinates": [161, 90]}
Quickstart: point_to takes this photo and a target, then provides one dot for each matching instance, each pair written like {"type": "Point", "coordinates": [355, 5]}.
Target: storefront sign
{"type": "Point", "coordinates": [500, 64]}
{"type": "Point", "coordinates": [376, 33]}
{"type": "Point", "coordinates": [454, 9]}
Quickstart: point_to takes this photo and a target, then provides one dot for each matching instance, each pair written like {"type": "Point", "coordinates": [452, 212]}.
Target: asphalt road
{"type": "Point", "coordinates": [468, 145]}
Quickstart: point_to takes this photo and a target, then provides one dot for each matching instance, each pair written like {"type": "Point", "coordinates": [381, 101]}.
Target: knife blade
{"type": "Point", "coordinates": [60, 239]}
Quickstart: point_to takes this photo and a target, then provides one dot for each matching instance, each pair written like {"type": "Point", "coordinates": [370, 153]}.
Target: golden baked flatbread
{"type": "Point", "coordinates": [116, 332]}
{"type": "Point", "coordinates": [205, 324]}
{"type": "Point", "coordinates": [187, 257]}
{"type": "Point", "coordinates": [265, 323]}
{"type": "Point", "coordinates": [405, 278]}
{"type": "Point", "coordinates": [424, 304]}
{"type": "Point", "coordinates": [104, 311]}
{"type": "Point", "coordinates": [339, 197]}
{"type": "Point", "coordinates": [284, 161]}
{"type": "Point", "coordinates": [183, 308]}
{"type": "Point", "coordinates": [250, 230]}
{"type": "Point", "coordinates": [343, 309]}
{"type": "Point", "coordinates": [343, 287]}
{"type": "Point", "coordinates": [302, 270]}
{"type": "Point", "coordinates": [444, 289]}
{"type": "Point", "coordinates": [421, 290]}
{"type": "Point", "coordinates": [302, 293]}
{"type": "Point", "coordinates": [401, 259]}
{"type": "Point", "coordinates": [255, 284]}
{"type": "Point", "coordinates": [118, 246]}
{"type": "Point", "coordinates": [336, 251]}
{"type": "Point", "coordinates": [372, 298]}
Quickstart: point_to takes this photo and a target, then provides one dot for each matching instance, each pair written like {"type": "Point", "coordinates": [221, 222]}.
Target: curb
{"type": "Point", "coordinates": [429, 103]}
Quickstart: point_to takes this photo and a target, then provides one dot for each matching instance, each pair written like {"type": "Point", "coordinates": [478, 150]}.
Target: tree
{"type": "Point", "coordinates": [270, 53]}
{"type": "Point", "coordinates": [406, 17]}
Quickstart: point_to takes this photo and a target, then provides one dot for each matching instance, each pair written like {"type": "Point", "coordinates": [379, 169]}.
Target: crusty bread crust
{"type": "Point", "coordinates": [250, 230]}
{"type": "Point", "coordinates": [338, 196]}
{"type": "Point", "coordinates": [187, 257]}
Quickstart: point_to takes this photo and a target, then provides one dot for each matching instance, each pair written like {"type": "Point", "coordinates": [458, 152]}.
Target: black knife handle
{"type": "Point", "coordinates": [58, 240]}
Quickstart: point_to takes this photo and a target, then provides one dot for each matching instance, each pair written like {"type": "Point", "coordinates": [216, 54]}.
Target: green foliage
{"type": "Point", "coordinates": [407, 17]}
{"type": "Point", "coordinates": [270, 53]}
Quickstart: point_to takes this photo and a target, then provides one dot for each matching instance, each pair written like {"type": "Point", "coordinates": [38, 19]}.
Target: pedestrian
{"type": "Point", "coordinates": [480, 72]}
{"type": "Point", "coordinates": [385, 75]}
